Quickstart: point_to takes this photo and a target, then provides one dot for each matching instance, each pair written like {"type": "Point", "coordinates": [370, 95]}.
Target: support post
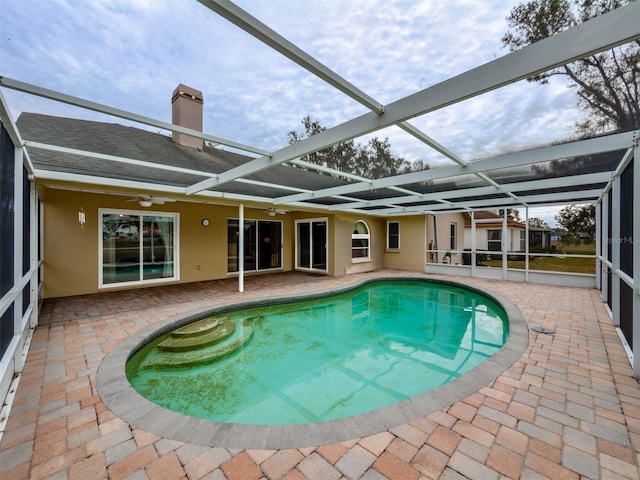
{"type": "Point", "coordinates": [504, 245]}
{"type": "Point", "coordinates": [526, 243]}
{"type": "Point", "coordinates": [241, 248]}
{"type": "Point", "coordinates": [473, 243]}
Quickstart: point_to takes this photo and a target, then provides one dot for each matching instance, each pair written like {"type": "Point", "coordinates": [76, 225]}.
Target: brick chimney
{"type": "Point", "coordinates": [186, 106]}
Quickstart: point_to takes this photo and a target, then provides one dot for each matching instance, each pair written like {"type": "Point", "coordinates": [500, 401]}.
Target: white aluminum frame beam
{"type": "Point", "coordinates": [277, 42]}
{"type": "Point", "coordinates": [564, 197]}
{"type": "Point", "coordinates": [268, 36]}
{"type": "Point", "coordinates": [14, 134]}
{"type": "Point", "coordinates": [600, 33]}
{"type": "Point", "coordinates": [116, 112]}
{"type": "Point", "coordinates": [574, 180]}
{"type": "Point", "coordinates": [528, 157]}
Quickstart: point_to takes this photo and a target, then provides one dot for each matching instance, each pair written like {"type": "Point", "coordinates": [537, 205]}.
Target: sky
{"type": "Point", "coordinates": [131, 54]}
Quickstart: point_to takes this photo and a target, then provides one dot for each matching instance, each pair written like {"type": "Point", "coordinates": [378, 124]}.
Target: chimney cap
{"type": "Point", "coordinates": [184, 91]}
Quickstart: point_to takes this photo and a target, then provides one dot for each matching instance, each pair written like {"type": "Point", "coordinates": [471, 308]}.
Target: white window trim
{"type": "Point", "coordinates": [176, 247]}
{"type": "Point", "coordinates": [393, 249]}
{"type": "Point", "coordinates": [361, 236]}
{"type": "Point", "coordinates": [324, 220]}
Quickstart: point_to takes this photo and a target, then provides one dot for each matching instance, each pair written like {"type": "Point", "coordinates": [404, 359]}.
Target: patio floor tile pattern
{"type": "Point", "coordinates": [568, 409]}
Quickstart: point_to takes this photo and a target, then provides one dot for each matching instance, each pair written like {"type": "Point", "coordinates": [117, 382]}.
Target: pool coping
{"type": "Point", "coordinates": [124, 401]}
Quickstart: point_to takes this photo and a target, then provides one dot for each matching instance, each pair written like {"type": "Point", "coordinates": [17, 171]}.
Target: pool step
{"type": "Point", "coordinates": [199, 336]}
{"type": "Point", "coordinates": [199, 348]}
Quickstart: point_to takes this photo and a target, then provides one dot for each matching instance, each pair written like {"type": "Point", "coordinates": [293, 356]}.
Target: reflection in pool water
{"type": "Point", "coordinates": [333, 357]}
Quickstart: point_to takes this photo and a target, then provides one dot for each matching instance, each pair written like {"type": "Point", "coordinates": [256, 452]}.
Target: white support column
{"type": "Point", "coordinates": [615, 251]}
{"type": "Point", "coordinates": [17, 235]}
{"type": "Point", "coordinates": [241, 248]}
{"type": "Point", "coordinates": [33, 249]}
{"type": "Point", "coordinates": [599, 245]}
{"type": "Point", "coordinates": [473, 243]}
{"type": "Point", "coordinates": [636, 260]}
{"type": "Point", "coordinates": [605, 247]}
{"type": "Point", "coordinates": [504, 245]}
{"type": "Point", "coordinates": [526, 243]}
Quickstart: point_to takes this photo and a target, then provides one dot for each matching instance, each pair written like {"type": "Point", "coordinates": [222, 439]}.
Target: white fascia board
{"type": "Point", "coordinates": [116, 112]}
{"type": "Point", "coordinates": [600, 33]}
{"type": "Point", "coordinates": [528, 157]}
{"type": "Point", "coordinates": [50, 175]}
{"type": "Point", "coordinates": [262, 32]}
{"type": "Point", "coordinates": [43, 175]}
{"type": "Point", "coordinates": [478, 191]}
{"type": "Point", "coordinates": [151, 165]}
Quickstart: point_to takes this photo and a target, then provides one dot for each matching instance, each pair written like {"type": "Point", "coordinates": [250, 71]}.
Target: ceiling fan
{"type": "Point", "coordinates": [272, 212]}
{"type": "Point", "coordinates": [148, 200]}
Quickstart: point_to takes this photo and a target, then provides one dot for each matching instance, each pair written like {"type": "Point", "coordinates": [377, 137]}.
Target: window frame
{"type": "Point", "coordinates": [140, 214]}
{"type": "Point", "coordinates": [361, 237]}
{"type": "Point", "coordinates": [498, 241]}
{"type": "Point", "coordinates": [395, 236]}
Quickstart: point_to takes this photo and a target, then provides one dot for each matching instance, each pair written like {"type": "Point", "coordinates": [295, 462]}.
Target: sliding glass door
{"type": "Point", "coordinates": [311, 244]}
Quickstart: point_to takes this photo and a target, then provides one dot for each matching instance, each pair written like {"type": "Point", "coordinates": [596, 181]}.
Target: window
{"type": "Point", "coordinates": [137, 247]}
{"type": "Point", "coordinates": [393, 235]}
{"type": "Point", "coordinates": [523, 237]}
{"type": "Point", "coordinates": [494, 240]}
{"type": "Point", "coordinates": [453, 236]}
{"type": "Point", "coordinates": [262, 245]}
{"type": "Point", "coordinates": [360, 242]}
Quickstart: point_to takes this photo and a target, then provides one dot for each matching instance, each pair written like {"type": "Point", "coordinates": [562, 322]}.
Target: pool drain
{"type": "Point", "coordinates": [548, 331]}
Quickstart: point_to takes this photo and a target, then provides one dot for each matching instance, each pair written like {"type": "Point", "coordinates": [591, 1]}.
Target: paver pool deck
{"type": "Point", "coordinates": [569, 408]}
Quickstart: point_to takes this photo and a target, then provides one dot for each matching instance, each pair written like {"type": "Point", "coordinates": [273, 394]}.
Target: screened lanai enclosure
{"type": "Point", "coordinates": [596, 170]}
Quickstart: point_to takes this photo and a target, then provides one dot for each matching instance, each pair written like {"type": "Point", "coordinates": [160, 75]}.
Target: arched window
{"type": "Point", "coordinates": [360, 242]}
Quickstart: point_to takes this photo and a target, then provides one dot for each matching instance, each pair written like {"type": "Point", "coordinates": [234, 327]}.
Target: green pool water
{"type": "Point", "coordinates": [333, 357]}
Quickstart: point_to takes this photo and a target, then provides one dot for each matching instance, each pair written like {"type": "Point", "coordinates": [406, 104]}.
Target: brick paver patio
{"type": "Point", "coordinates": [568, 409]}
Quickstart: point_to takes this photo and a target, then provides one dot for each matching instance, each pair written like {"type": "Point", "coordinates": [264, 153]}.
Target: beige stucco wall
{"type": "Point", "coordinates": [411, 255]}
{"type": "Point", "coordinates": [71, 257]}
{"type": "Point", "coordinates": [343, 263]}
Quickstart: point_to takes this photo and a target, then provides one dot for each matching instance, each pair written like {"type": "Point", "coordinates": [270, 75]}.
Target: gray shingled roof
{"type": "Point", "coordinates": [129, 142]}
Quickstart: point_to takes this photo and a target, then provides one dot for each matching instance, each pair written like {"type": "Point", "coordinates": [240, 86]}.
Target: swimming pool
{"type": "Point", "coordinates": [378, 353]}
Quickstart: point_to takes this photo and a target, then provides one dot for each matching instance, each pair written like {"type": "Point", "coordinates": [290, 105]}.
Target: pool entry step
{"type": "Point", "coordinates": [201, 342]}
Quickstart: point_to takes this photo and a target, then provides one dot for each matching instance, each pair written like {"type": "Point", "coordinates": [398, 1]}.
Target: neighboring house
{"type": "Point", "coordinates": [103, 230]}
{"type": "Point", "coordinates": [489, 234]}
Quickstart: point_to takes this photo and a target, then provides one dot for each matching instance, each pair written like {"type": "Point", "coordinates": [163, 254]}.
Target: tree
{"type": "Point", "coordinates": [512, 214]}
{"type": "Point", "coordinates": [578, 219]}
{"type": "Point", "coordinates": [372, 160]}
{"type": "Point", "coordinates": [536, 222]}
{"type": "Point", "coordinates": [607, 83]}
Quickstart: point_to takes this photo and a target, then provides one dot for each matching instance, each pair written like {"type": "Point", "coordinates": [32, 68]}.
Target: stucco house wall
{"type": "Point", "coordinates": [411, 254]}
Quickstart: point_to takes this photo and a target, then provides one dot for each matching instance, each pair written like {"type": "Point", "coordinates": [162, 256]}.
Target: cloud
{"type": "Point", "coordinates": [132, 54]}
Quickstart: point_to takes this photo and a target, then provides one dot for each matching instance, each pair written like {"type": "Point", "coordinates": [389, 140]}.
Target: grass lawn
{"type": "Point", "coordinates": [556, 264]}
